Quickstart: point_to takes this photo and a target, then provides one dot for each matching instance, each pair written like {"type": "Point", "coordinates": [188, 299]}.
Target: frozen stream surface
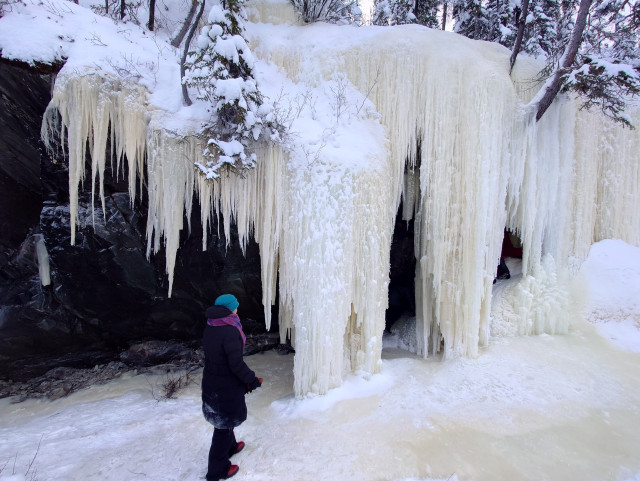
{"type": "Point", "coordinates": [531, 408]}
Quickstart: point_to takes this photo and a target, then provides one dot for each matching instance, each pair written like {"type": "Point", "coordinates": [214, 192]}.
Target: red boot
{"type": "Point", "coordinates": [233, 470]}
{"type": "Point", "coordinates": [239, 447]}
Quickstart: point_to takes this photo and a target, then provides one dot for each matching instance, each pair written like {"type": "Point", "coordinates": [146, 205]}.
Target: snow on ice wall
{"type": "Point", "coordinates": [454, 141]}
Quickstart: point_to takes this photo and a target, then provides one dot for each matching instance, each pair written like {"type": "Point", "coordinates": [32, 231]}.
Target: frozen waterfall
{"type": "Point", "coordinates": [380, 114]}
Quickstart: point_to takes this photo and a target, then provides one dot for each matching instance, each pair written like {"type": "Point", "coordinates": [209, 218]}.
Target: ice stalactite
{"type": "Point", "coordinates": [254, 203]}
{"type": "Point", "coordinates": [87, 105]}
{"type": "Point", "coordinates": [334, 272]}
{"type": "Point", "coordinates": [617, 176]}
{"type": "Point", "coordinates": [170, 187]}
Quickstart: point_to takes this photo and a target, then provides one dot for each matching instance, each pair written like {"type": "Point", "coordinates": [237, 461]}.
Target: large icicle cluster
{"type": "Point", "coordinates": [483, 165]}
{"type": "Point", "coordinates": [448, 137]}
{"type": "Point", "coordinates": [86, 105]}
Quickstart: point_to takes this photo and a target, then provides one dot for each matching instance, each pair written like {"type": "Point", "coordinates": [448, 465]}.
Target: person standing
{"type": "Point", "coordinates": [225, 381]}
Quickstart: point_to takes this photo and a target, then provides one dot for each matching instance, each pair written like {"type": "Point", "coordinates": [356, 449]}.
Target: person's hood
{"type": "Point", "coordinates": [217, 312]}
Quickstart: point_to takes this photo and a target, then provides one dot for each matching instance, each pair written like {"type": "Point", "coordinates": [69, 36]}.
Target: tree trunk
{"type": "Point", "coordinates": [194, 26]}
{"type": "Point", "coordinates": [552, 86]}
{"type": "Point", "coordinates": [444, 14]}
{"type": "Point", "coordinates": [177, 40]}
{"type": "Point", "coordinates": [152, 14]}
{"type": "Point", "coordinates": [122, 9]}
{"type": "Point", "coordinates": [518, 44]}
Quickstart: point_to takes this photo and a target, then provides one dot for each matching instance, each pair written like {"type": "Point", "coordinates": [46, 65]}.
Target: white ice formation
{"type": "Point", "coordinates": [444, 129]}
{"type": "Point", "coordinates": [42, 255]}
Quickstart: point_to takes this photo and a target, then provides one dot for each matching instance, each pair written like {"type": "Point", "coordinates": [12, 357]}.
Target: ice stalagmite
{"type": "Point", "coordinates": [382, 114]}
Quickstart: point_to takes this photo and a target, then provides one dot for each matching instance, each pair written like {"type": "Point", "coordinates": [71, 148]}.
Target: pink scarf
{"type": "Point", "coordinates": [230, 320]}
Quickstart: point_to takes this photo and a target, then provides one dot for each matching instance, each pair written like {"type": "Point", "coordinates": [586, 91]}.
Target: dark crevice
{"type": "Point", "coordinates": [402, 268]}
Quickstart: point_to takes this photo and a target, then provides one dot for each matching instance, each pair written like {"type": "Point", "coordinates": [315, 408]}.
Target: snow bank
{"type": "Point", "coordinates": [612, 272]}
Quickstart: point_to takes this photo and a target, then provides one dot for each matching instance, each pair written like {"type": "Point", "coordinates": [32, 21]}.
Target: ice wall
{"type": "Point", "coordinates": [483, 164]}
{"type": "Point", "coordinates": [444, 128]}
{"type": "Point", "coordinates": [458, 147]}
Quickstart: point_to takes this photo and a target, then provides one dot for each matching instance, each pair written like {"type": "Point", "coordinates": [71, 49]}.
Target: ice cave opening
{"type": "Point", "coordinates": [402, 267]}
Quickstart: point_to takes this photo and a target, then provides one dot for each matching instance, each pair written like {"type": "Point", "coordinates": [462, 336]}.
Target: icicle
{"type": "Point", "coordinates": [170, 189]}
{"type": "Point", "coordinates": [87, 105]}
{"type": "Point", "coordinates": [43, 260]}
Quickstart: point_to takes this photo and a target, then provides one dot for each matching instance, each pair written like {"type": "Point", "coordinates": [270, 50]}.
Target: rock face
{"type": "Point", "coordinates": [103, 293]}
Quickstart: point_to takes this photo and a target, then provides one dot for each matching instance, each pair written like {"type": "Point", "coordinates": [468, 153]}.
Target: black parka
{"type": "Point", "coordinates": [226, 376]}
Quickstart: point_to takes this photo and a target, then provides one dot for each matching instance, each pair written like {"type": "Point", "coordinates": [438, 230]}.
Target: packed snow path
{"type": "Point", "coordinates": [552, 408]}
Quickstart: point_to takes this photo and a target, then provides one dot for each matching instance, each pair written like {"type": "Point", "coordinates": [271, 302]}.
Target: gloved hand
{"type": "Point", "coordinates": [256, 383]}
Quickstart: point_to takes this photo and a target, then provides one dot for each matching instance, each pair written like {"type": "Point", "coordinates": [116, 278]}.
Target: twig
{"type": "Point", "coordinates": [375, 81]}
{"type": "Point", "coordinates": [96, 40]}
{"type": "Point", "coordinates": [339, 95]}
{"type": "Point", "coordinates": [153, 391]}
{"type": "Point", "coordinates": [33, 460]}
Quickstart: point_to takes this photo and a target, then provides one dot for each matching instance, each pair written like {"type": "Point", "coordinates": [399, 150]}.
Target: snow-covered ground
{"type": "Point", "coordinates": [528, 408]}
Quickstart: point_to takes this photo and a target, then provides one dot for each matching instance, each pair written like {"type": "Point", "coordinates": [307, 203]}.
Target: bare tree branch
{"type": "Point", "coordinates": [552, 86]}
{"type": "Point", "coordinates": [194, 26]}
{"type": "Point", "coordinates": [518, 43]}
{"type": "Point", "coordinates": [177, 40]}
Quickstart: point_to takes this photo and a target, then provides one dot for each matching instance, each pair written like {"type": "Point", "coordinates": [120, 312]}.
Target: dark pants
{"type": "Point", "coordinates": [223, 444]}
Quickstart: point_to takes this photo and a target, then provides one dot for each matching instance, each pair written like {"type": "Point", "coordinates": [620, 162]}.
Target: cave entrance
{"type": "Point", "coordinates": [402, 260]}
{"type": "Point", "coordinates": [510, 256]}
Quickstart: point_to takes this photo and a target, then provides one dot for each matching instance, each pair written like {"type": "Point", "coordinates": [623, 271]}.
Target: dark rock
{"type": "Point", "coordinates": [104, 292]}
{"type": "Point", "coordinates": [284, 349]}
{"type": "Point", "coordinates": [23, 100]}
{"type": "Point", "coordinates": [402, 272]}
{"type": "Point", "coordinates": [56, 393]}
{"type": "Point", "coordinates": [261, 342]}
{"type": "Point", "coordinates": [155, 352]}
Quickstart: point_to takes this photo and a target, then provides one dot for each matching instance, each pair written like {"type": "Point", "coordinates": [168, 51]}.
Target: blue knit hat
{"type": "Point", "coordinates": [227, 300]}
